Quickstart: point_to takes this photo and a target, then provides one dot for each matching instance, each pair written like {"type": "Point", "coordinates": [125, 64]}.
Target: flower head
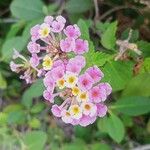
{"type": "Point", "coordinates": [80, 91]}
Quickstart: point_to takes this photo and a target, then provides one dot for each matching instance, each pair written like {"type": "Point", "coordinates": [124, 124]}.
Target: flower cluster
{"type": "Point", "coordinates": [50, 41]}
{"type": "Point", "coordinates": [82, 95]}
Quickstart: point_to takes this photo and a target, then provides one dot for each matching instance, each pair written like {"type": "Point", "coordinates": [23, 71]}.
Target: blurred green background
{"type": "Point", "coordinates": [26, 122]}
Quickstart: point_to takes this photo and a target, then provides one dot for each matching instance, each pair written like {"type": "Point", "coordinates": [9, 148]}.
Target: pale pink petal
{"type": "Point", "coordinates": [85, 82]}
{"type": "Point", "coordinates": [95, 73]}
{"type": "Point", "coordinates": [67, 45]}
{"type": "Point", "coordinates": [101, 110]}
{"type": "Point", "coordinates": [81, 46]}
{"type": "Point", "coordinates": [56, 110]}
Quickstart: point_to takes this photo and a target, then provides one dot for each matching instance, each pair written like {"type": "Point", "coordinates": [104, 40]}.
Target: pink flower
{"type": "Point", "coordinates": [67, 45]}
{"type": "Point", "coordinates": [33, 47]}
{"type": "Point", "coordinates": [66, 116]}
{"type": "Point", "coordinates": [49, 83]}
{"type": "Point", "coordinates": [73, 67]}
{"type": "Point", "coordinates": [35, 32]}
{"type": "Point", "coordinates": [72, 31]}
{"type": "Point", "coordinates": [89, 109]}
{"type": "Point", "coordinates": [85, 82]}
{"type": "Point", "coordinates": [48, 20]}
{"type": "Point", "coordinates": [58, 63]}
{"type": "Point", "coordinates": [101, 110]}
{"type": "Point", "coordinates": [97, 95]}
{"type": "Point", "coordinates": [107, 87]}
{"type": "Point", "coordinates": [34, 60]}
{"type": "Point", "coordinates": [79, 60]}
{"type": "Point", "coordinates": [61, 19]}
{"type": "Point", "coordinates": [95, 73]}
{"type": "Point", "coordinates": [56, 110]}
{"type": "Point", "coordinates": [86, 120]}
{"type": "Point", "coordinates": [81, 46]}
{"type": "Point", "coordinates": [14, 67]}
{"type": "Point", "coordinates": [57, 73]}
{"type": "Point", "coordinates": [48, 96]}
{"type": "Point", "coordinates": [57, 26]}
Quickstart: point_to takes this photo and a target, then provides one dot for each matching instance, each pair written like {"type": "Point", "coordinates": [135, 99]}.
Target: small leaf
{"type": "Point", "coordinates": [12, 108]}
{"type": "Point", "coordinates": [16, 117]}
{"type": "Point", "coordinates": [134, 35]}
{"type": "Point", "coordinates": [83, 133]}
{"type": "Point", "coordinates": [35, 140]}
{"type": "Point", "coordinates": [108, 38]}
{"type": "Point", "coordinates": [118, 73]}
{"type": "Point", "coordinates": [102, 124]}
{"type": "Point", "coordinates": [139, 86]}
{"type": "Point", "coordinates": [34, 123]}
{"type": "Point", "coordinates": [145, 68]}
{"type": "Point", "coordinates": [115, 128]}
{"type": "Point", "coordinates": [27, 9]}
{"type": "Point", "coordinates": [132, 106]}
{"type": "Point", "coordinates": [35, 90]}
{"type": "Point", "coordinates": [144, 46]}
{"type": "Point", "coordinates": [96, 58]}
{"type": "Point", "coordinates": [78, 6]}
{"type": "Point", "coordinates": [7, 48]}
{"type": "Point", "coordinates": [15, 28]}
{"type": "Point", "coordinates": [37, 108]}
{"type": "Point", "coordinates": [84, 29]}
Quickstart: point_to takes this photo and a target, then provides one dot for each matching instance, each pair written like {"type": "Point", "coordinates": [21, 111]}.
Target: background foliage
{"type": "Point", "coordinates": [25, 119]}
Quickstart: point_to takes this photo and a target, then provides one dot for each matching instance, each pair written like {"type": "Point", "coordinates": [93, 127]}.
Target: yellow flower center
{"type": "Point", "coordinates": [44, 32]}
{"type": "Point", "coordinates": [87, 107]}
{"type": "Point", "coordinates": [47, 63]}
{"type": "Point", "coordinates": [76, 110]}
{"type": "Point", "coordinates": [61, 83]}
{"type": "Point", "coordinates": [75, 91]}
{"type": "Point", "coordinates": [71, 80]}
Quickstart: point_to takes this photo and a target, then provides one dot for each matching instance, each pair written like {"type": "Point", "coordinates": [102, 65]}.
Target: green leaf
{"type": "Point", "coordinates": [115, 128]}
{"type": "Point", "coordinates": [84, 29]}
{"type": "Point", "coordinates": [35, 90]}
{"type": "Point", "coordinates": [144, 46]}
{"type": "Point", "coordinates": [3, 82]}
{"type": "Point", "coordinates": [12, 108]}
{"type": "Point", "coordinates": [92, 57]}
{"type": "Point", "coordinates": [118, 73]}
{"type": "Point", "coordinates": [108, 38]}
{"type": "Point", "coordinates": [37, 108]}
{"type": "Point", "coordinates": [35, 140]}
{"type": "Point", "coordinates": [34, 123]}
{"type": "Point", "coordinates": [96, 58]}
{"type": "Point", "coordinates": [145, 68]}
{"type": "Point", "coordinates": [78, 6]}
{"type": "Point", "coordinates": [139, 86]}
{"type": "Point", "coordinates": [83, 133]}
{"type": "Point", "coordinates": [3, 118]}
{"type": "Point", "coordinates": [100, 146]}
{"type": "Point", "coordinates": [7, 48]}
{"type": "Point", "coordinates": [27, 9]}
{"type": "Point", "coordinates": [15, 28]}
{"type": "Point", "coordinates": [134, 35]}
{"type": "Point", "coordinates": [132, 106]}
{"type": "Point", "coordinates": [102, 124]}
{"type": "Point", "coordinates": [102, 27]}
{"type": "Point", "coordinates": [16, 117]}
